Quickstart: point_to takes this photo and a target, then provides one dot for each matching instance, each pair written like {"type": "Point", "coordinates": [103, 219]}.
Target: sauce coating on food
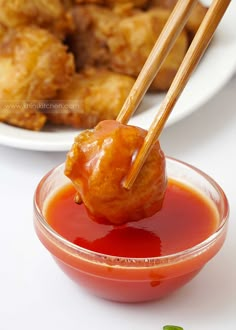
{"type": "Point", "coordinates": [97, 165]}
{"type": "Point", "coordinates": [186, 219]}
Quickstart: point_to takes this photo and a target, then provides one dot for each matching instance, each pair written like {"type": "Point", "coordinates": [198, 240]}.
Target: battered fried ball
{"type": "Point", "coordinates": [133, 40]}
{"type": "Point", "coordinates": [18, 115]}
{"type": "Point", "coordinates": [48, 14]}
{"type": "Point", "coordinates": [94, 94]}
{"type": "Point", "coordinates": [88, 42]}
{"type": "Point", "coordinates": [2, 32]}
{"type": "Point", "coordinates": [34, 66]}
{"type": "Point", "coordinates": [112, 3]}
{"type": "Point", "coordinates": [195, 19]}
{"type": "Point", "coordinates": [97, 165]}
{"type": "Point", "coordinates": [68, 3]}
{"type": "Point", "coordinates": [123, 41]}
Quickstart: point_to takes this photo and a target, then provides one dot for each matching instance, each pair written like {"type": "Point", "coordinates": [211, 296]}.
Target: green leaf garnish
{"type": "Point", "coordinates": [172, 327]}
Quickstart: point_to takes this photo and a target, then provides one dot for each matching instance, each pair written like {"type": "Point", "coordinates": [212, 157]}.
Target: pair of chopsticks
{"type": "Point", "coordinates": [171, 31]}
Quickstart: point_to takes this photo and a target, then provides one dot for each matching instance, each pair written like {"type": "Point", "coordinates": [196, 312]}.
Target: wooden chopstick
{"type": "Point", "coordinates": [161, 49]}
{"type": "Point", "coordinates": [191, 59]}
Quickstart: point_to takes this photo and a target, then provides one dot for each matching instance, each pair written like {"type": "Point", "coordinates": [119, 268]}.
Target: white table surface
{"type": "Point", "coordinates": [35, 294]}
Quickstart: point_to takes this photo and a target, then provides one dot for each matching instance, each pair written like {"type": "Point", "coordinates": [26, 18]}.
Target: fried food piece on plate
{"type": "Point", "coordinates": [88, 42]}
{"type": "Point", "coordinates": [34, 66]}
{"type": "Point", "coordinates": [2, 31]}
{"type": "Point", "coordinates": [122, 41]}
{"type": "Point", "coordinates": [68, 3]}
{"type": "Point", "coordinates": [98, 163]}
{"type": "Point", "coordinates": [19, 116]}
{"type": "Point", "coordinates": [49, 14]}
{"type": "Point", "coordinates": [113, 3]}
{"type": "Point", "coordinates": [93, 95]}
{"type": "Point", "coordinates": [132, 40]}
{"type": "Point", "coordinates": [60, 27]}
{"type": "Point", "coordinates": [195, 18]}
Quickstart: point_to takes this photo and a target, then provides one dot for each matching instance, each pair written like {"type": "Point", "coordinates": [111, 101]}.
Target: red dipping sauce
{"type": "Point", "coordinates": [138, 261]}
{"type": "Point", "coordinates": [186, 219]}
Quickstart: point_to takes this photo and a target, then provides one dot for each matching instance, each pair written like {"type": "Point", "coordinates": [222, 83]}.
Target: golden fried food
{"type": "Point", "coordinates": [133, 40]}
{"type": "Point", "coordinates": [49, 14]}
{"type": "Point", "coordinates": [21, 12]}
{"type": "Point", "coordinates": [92, 96]}
{"type": "Point", "coordinates": [88, 42]}
{"type": "Point", "coordinates": [98, 163]}
{"type": "Point", "coordinates": [18, 115]}
{"type": "Point", "coordinates": [34, 66]}
{"type": "Point", "coordinates": [195, 18]}
{"type": "Point", "coordinates": [60, 27]}
{"type": "Point", "coordinates": [132, 3]}
{"type": "Point", "coordinates": [113, 37]}
{"type": "Point", "coordinates": [123, 42]}
{"type": "Point", "coordinates": [68, 3]}
{"type": "Point", "coordinates": [2, 31]}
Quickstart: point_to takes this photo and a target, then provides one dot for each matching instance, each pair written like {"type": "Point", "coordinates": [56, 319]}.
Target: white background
{"type": "Point", "coordinates": [35, 294]}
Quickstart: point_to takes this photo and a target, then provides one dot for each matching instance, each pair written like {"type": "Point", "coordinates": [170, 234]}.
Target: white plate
{"type": "Point", "coordinates": [213, 72]}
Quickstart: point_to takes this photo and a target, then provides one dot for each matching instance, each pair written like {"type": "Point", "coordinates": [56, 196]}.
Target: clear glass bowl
{"type": "Point", "coordinates": [131, 279]}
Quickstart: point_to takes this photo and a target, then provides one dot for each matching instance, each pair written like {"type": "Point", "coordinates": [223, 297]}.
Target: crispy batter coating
{"type": "Point", "coordinates": [195, 18]}
{"type": "Point", "coordinates": [60, 27]}
{"type": "Point", "coordinates": [93, 95]}
{"type": "Point", "coordinates": [68, 3]}
{"type": "Point", "coordinates": [123, 41]}
{"type": "Point", "coordinates": [132, 42]}
{"type": "Point", "coordinates": [112, 3]}
{"type": "Point", "coordinates": [106, 34]}
{"type": "Point", "coordinates": [2, 31]}
{"type": "Point", "coordinates": [21, 12]}
{"type": "Point", "coordinates": [34, 66]}
{"type": "Point", "coordinates": [99, 161]}
{"type": "Point", "coordinates": [18, 115]}
{"type": "Point", "coordinates": [49, 14]}
{"type": "Point", "coordinates": [88, 42]}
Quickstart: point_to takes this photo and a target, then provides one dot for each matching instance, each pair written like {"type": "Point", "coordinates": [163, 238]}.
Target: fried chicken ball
{"type": "Point", "coordinates": [123, 41]}
{"type": "Point", "coordinates": [98, 163]}
{"type": "Point", "coordinates": [132, 41]}
{"type": "Point", "coordinates": [88, 42]}
{"type": "Point", "coordinates": [112, 3]}
{"type": "Point", "coordinates": [34, 66]}
{"type": "Point", "coordinates": [195, 18]}
{"type": "Point", "coordinates": [2, 32]}
{"type": "Point", "coordinates": [93, 95]}
{"type": "Point", "coordinates": [68, 3]}
{"type": "Point", "coordinates": [18, 115]}
{"type": "Point", "coordinates": [49, 14]}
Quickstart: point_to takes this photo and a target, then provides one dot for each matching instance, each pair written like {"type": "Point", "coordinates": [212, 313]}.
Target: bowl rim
{"type": "Point", "coordinates": [81, 252]}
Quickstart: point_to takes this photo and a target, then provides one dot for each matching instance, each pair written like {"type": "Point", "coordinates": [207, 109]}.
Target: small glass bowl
{"type": "Point", "coordinates": [132, 279]}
